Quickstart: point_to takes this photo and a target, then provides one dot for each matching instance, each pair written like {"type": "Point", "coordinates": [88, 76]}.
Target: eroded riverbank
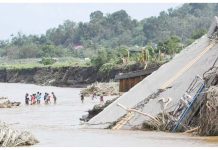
{"type": "Point", "coordinates": [71, 76]}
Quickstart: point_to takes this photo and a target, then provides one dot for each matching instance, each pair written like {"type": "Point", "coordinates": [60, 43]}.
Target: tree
{"type": "Point", "coordinates": [96, 16]}
{"type": "Point", "coordinates": [170, 46]}
{"type": "Point", "coordinates": [198, 33]}
{"type": "Point", "coordinates": [114, 31]}
{"type": "Point", "coordinates": [100, 59]}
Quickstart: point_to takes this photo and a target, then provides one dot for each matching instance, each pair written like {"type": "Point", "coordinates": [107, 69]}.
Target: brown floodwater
{"type": "Point", "coordinates": [59, 125]}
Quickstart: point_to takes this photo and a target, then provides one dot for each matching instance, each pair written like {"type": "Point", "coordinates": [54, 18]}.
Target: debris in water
{"type": "Point", "coordinates": [12, 138]}
{"type": "Point", "coordinates": [5, 103]}
{"type": "Point", "coordinates": [209, 113]}
{"type": "Point", "coordinates": [111, 88]}
{"type": "Point", "coordinates": [200, 115]}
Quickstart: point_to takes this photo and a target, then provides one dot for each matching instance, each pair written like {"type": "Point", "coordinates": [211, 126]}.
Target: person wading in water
{"type": "Point", "coordinates": [45, 98]}
{"type": "Point", "coordinates": [82, 98]}
{"type": "Point", "coordinates": [38, 97]}
{"type": "Point", "coordinates": [33, 99]}
{"type": "Point", "coordinates": [27, 99]}
{"type": "Point", "coordinates": [102, 99]}
{"type": "Point", "coordinates": [54, 97]}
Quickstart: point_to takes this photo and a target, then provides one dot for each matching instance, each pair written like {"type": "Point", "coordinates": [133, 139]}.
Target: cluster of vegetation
{"type": "Point", "coordinates": [29, 63]}
{"type": "Point", "coordinates": [48, 61]}
{"type": "Point", "coordinates": [107, 38]}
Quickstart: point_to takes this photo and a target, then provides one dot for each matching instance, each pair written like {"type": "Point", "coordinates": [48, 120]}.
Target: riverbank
{"type": "Point", "coordinates": [67, 76]}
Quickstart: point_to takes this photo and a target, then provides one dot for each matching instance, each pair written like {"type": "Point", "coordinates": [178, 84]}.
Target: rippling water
{"type": "Point", "coordinates": [58, 125]}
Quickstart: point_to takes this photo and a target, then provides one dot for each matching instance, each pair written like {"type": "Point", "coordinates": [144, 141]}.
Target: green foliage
{"type": "Point", "coordinates": [100, 59]}
{"type": "Point", "coordinates": [116, 60]}
{"type": "Point", "coordinates": [170, 46]}
{"type": "Point", "coordinates": [48, 61]}
{"type": "Point", "coordinates": [36, 62]}
{"type": "Point", "coordinates": [198, 33]}
{"type": "Point", "coordinates": [53, 51]}
{"type": "Point", "coordinates": [107, 67]}
{"type": "Point", "coordinates": [190, 41]}
{"type": "Point", "coordinates": [150, 49]}
{"type": "Point", "coordinates": [179, 22]}
{"type": "Point", "coordinates": [2, 52]}
{"type": "Point", "coordinates": [122, 51]}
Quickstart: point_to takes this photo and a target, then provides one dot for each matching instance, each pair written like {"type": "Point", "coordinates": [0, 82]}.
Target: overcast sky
{"type": "Point", "coordinates": [37, 18]}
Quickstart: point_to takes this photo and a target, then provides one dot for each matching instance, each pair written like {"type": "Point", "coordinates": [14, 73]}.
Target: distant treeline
{"type": "Point", "coordinates": [114, 32]}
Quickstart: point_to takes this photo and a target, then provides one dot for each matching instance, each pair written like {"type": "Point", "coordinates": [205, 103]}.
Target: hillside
{"type": "Point", "coordinates": [114, 33]}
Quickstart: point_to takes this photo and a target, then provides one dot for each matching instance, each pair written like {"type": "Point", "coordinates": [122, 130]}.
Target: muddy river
{"type": "Point", "coordinates": [59, 125]}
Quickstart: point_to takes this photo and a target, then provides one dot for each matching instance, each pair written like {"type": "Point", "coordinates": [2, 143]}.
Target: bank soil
{"type": "Point", "coordinates": [66, 76]}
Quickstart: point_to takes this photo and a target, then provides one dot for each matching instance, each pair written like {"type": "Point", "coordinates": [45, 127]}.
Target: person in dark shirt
{"type": "Point", "coordinates": [101, 99]}
{"type": "Point", "coordinates": [54, 97]}
{"type": "Point", "coordinates": [45, 98]}
{"type": "Point", "coordinates": [27, 99]}
{"type": "Point", "coordinates": [82, 98]}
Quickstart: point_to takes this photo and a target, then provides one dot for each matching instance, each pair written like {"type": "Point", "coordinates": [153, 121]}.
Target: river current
{"type": "Point", "coordinates": [59, 125]}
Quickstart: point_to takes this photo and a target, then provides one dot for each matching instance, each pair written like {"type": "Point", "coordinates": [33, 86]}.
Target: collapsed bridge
{"type": "Point", "coordinates": [170, 82]}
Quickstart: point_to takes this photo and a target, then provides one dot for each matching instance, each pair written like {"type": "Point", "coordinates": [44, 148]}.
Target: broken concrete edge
{"type": "Point", "coordinates": [107, 125]}
{"type": "Point", "coordinates": [138, 106]}
{"type": "Point", "coordinates": [213, 28]}
{"type": "Point", "coordinates": [150, 97]}
{"type": "Point", "coordinates": [96, 110]}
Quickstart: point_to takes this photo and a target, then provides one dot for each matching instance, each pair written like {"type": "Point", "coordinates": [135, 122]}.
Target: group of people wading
{"type": "Point", "coordinates": [37, 97]}
{"type": "Point", "coordinates": [94, 96]}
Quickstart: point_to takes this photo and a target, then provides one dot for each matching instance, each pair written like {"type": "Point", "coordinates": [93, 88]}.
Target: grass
{"type": "Point", "coordinates": [34, 63]}
{"type": "Point", "coordinates": [31, 63]}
